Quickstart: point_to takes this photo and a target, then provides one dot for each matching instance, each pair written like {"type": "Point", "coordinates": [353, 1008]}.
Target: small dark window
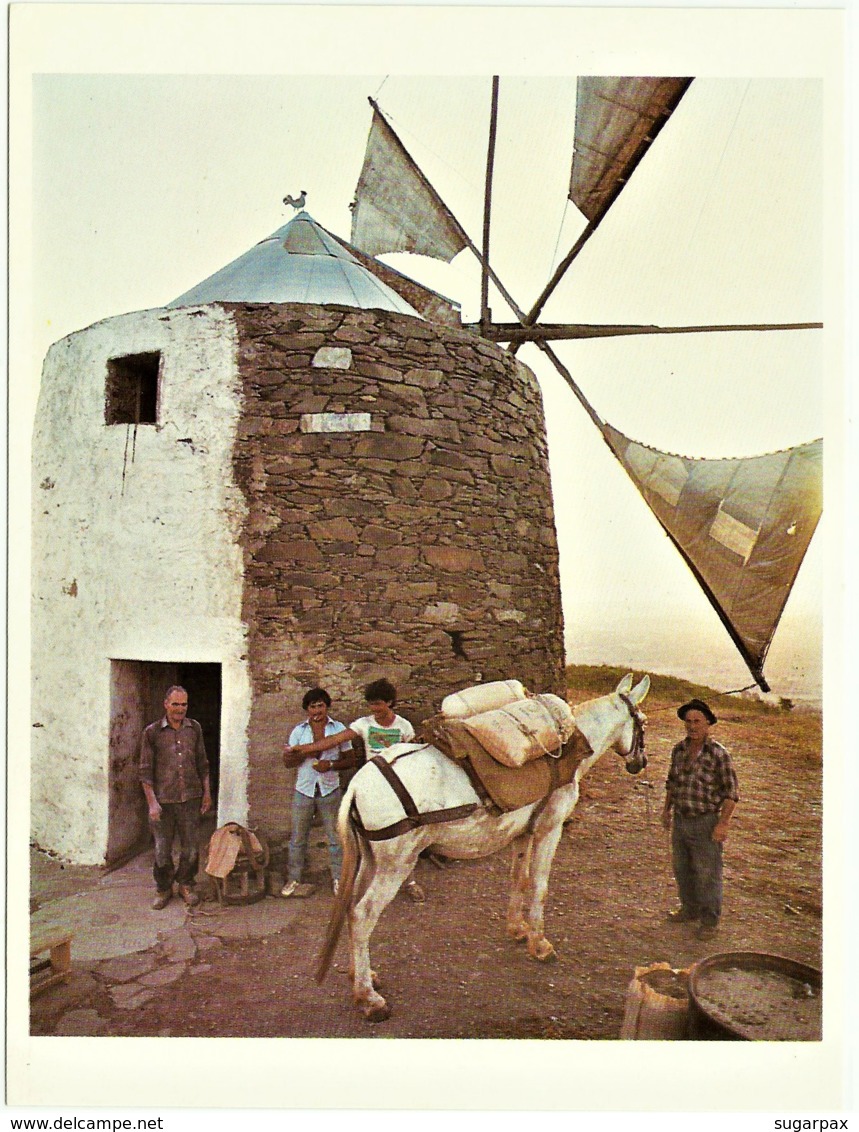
{"type": "Point", "coordinates": [132, 389]}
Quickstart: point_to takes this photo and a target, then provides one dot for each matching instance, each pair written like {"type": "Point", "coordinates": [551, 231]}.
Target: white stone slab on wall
{"type": "Point", "coordinates": [336, 422]}
{"type": "Point", "coordinates": [332, 357]}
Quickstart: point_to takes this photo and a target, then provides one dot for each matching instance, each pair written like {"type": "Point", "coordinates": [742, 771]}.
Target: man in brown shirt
{"type": "Point", "coordinates": [174, 774]}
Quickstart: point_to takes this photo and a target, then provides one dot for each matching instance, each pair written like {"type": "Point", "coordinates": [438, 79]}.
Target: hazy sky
{"type": "Point", "coordinates": [143, 185]}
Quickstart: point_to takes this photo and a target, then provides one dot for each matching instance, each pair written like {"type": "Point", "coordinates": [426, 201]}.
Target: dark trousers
{"type": "Point", "coordinates": [697, 862]}
{"type": "Point", "coordinates": [182, 818]}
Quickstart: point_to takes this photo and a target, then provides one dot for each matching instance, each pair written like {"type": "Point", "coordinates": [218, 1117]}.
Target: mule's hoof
{"type": "Point", "coordinates": [519, 932]}
{"type": "Point", "coordinates": [543, 951]}
{"type": "Point", "coordinates": [377, 1013]}
{"type": "Point", "coordinates": [414, 892]}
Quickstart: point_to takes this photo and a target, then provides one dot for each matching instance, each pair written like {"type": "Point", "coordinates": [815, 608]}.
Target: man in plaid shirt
{"type": "Point", "coordinates": [701, 793]}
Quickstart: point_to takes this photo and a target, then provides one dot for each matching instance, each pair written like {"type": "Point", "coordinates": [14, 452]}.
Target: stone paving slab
{"type": "Point", "coordinates": [111, 917]}
{"type": "Point", "coordinates": [126, 967]}
{"type": "Point", "coordinates": [208, 942]}
{"type": "Point", "coordinates": [248, 921]}
{"type": "Point", "coordinates": [84, 1023]}
{"type": "Point", "coordinates": [179, 945]}
{"type": "Point", "coordinates": [129, 996]}
{"type": "Point", "coordinates": [109, 922]}
{"type": "Point", "coordinates": [163, 976]}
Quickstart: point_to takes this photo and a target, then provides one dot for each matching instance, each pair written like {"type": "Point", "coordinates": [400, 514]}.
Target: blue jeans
{"type": "Point", "coordinates": [303, 809]}
{"type": "Point", "coordinates": [182, 818]}
{"type": "Point", "coordinates": [697, 862]}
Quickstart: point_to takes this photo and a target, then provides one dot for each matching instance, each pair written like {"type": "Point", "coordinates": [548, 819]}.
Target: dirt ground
{"type": "Point", "coordinates": [446, 966]}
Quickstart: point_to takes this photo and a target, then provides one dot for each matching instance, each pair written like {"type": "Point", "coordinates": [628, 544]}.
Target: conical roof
{"type": "Point", "coordinates": [299, 263]}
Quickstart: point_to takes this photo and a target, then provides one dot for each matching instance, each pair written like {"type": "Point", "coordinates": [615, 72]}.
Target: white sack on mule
{"type": "Point", "coordinates": [482, 697]}
{"type": "Point", "coordinates": [523, 730]}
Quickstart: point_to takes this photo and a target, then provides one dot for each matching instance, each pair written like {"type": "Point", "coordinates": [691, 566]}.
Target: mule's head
{"type": "Point", "coordinates": [629, 743]}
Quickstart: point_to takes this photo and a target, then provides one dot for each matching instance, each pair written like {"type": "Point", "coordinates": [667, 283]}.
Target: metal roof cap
{"type": "Point", "coordinates": [299, 263]}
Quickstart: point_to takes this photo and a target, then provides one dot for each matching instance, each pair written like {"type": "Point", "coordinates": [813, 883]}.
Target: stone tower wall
{"type": "Point", "coordinates": [415, 542]}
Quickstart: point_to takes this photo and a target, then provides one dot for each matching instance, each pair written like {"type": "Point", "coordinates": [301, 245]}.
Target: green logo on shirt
{"type": "Point", "coordinates": [378, 738]}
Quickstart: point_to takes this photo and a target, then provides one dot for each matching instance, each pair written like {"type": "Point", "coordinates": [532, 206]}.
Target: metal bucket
{"type": "Point", "coordinates": [754, 996]}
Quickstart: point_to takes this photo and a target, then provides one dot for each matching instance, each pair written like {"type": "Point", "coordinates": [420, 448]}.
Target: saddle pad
{"type": "Point", "coordinates": [482, 697]}
{"type": "Point", "coordinates": [510, 788]}
{"type": "Point", "coordinates": [524, 730]}
{"type": "Point", "coordinates": [450, 736]}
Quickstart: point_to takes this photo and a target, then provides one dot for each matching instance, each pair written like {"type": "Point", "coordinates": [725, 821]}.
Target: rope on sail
{"type": "Point", "coordinates": [560, 230]}
{"type": "Point", "coordinates": [730, 134]}
{"type": "Point", "coordinates": [633, 112]}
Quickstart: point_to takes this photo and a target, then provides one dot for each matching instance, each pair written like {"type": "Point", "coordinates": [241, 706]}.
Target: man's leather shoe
{"type": "Point", "coordinates": [161, 900]}
{"type": "Point", "coordinates": [682, 916]}
{"type": "Point", "coordinates": [188, 895]}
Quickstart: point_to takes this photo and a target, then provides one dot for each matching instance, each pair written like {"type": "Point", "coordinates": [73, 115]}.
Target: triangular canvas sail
{"type": "Point", "coordinates": [396, 209]}
{"type": "Point", "coordinates": [743, 526]}
{"type": "Point", "coordinates": [616, 121]}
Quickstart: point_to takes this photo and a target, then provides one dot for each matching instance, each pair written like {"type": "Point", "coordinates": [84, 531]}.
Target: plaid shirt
{"type": "Point", "coordinates": [702, 787]}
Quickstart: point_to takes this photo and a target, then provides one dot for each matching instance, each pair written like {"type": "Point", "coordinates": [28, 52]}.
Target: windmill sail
{"type": "Point", "coordinates": [616, 121]}
{"type": "Point", "coordinates": [396, 209]}
{"type": "Point", "coordinates": [743, 526]}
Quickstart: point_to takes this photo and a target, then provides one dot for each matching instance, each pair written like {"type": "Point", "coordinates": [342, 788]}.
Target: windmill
{"type": "Point", "coordinates": [741, 525]}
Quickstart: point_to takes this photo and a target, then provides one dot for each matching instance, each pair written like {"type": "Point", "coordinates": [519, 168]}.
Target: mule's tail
{"type": "Point", "coordinates": [343, 899]}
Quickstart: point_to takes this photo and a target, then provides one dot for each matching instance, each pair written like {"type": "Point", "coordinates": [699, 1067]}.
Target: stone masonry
{"type": "Point", "coordinates": [410, 534]}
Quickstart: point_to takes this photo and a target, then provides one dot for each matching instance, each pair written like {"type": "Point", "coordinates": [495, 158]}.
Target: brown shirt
{"type": "Point", "coordinates": [173, 761]}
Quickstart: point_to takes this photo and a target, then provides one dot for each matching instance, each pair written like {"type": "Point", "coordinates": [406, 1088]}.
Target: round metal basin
{"type": "Point", "coordinates": [754, 996]}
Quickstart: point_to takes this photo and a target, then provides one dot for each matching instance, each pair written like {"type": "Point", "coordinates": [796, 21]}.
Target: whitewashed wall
{"type": "Point", "coordinates": [135, 556]}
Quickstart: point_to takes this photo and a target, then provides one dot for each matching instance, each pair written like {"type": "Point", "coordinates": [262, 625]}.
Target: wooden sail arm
{"type": "Point", "coordinates": [567, 331]}
{"type": "Point", "coordinates": [525, 331]}
{"type": "Point", "coordinates": [570, 380]}
{"type": "Point", "coordinates": [485, 316]}
{"type": "Point", "coordinates": [534, 313]}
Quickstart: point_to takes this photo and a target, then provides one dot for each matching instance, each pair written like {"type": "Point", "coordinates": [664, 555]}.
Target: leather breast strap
{"type": "Point", "coordinates": [413, 818]}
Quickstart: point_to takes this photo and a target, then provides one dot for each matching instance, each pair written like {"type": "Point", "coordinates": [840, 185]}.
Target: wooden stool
{"type": "Point", "coordinates": [57, 967]}
{"type": "Point", "coordinates": [244, 885]}
{"type": "Point", "coordinates": [245, 882]}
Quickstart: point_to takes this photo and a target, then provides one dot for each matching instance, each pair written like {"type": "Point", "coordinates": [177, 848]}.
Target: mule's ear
{"type": "Point", "coordinates": [640, 690]}
{"type": "Point", "coordinates": [625, 684]}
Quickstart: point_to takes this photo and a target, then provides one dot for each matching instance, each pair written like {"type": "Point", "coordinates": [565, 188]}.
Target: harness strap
{"type": "Point", "coordinates": [405, 825]}
{"type": "Point", "coordinates": [637, 729]}
{"type": "Point", "coordinates": [406, 800]}
{"type": "Point", "coordinates": [414, 818]}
